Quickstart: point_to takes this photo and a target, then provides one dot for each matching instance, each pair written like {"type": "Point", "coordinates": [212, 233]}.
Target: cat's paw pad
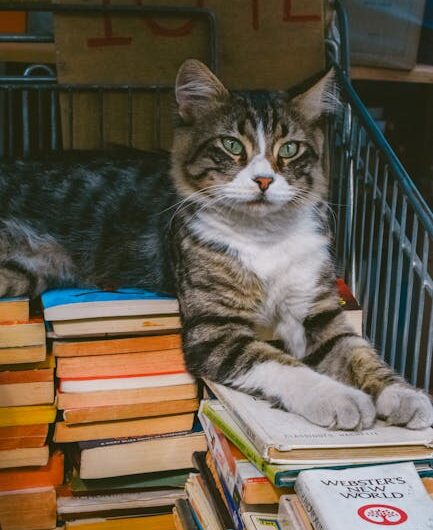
{"type": "Point", "coordinates": [402, 405]}
{"type": "Point", "coordinates": [337, 406]}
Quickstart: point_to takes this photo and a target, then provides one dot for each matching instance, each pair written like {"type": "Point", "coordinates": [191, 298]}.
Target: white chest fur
{"type": "Point", "coordinates": [287, 257]}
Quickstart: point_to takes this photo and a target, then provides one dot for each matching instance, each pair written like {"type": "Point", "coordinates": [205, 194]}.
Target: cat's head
{"type": "Point", "coordinates": [255, 152]}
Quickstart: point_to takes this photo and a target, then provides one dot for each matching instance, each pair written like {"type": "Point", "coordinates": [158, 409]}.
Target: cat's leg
{"type": "Point", "coordinates": [218, 306]}
{"type": "Point", "coordinates": [336, 350]}
{"type": "Point", "coordinates": [30, 261]}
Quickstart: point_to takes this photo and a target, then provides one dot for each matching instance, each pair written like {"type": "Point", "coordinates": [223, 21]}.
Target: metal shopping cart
{"type": "Point", "coordinates": [383, 227]}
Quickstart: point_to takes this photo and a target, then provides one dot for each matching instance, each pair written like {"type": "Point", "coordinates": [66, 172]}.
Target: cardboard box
{"type": "Point", "coordinates": [384, 34]}
{"type": "Point", "coordinates": [274, 45]}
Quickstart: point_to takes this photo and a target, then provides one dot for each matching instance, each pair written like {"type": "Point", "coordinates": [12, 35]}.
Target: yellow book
{"type": "Point", "coordinates": [153, 522]}
{"type": "Point", "coordinates": [29, 415]}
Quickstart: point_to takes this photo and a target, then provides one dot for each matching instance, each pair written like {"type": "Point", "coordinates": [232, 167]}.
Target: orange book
{"type": "Point", "coordinates": [14, 309]}
{"type": "Point", "coordinates": [34, 477]}
{"type": "Point", "coordinates": [26, 376]}
{"type": "Point", "coordinates": [20, 436]}
{"type": "Point", "coordinates": [78, 348]}
{"type": "Point", "coordinates": [28, 509]}
{"type": "Point", "coordinates": [125, 412]}
{"type": "Point", "coordinates": [122, 365]}
{"type": "Point", "coordinates": [76, 400]}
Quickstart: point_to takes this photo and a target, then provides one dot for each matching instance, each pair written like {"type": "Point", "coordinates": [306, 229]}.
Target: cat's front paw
{"type": "Point", "coordinates": [399, 404]}
{"type": "Point", "coordinates": [338, 406]}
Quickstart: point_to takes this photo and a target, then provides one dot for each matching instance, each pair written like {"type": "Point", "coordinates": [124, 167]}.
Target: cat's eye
{"type": "Point", "coordinates": [232, 145]}
{"type": "Point", "coordinates": [289, 150]}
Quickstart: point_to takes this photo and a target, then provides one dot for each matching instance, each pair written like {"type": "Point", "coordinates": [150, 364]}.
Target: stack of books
{"type": "Point", "coordinates": [28, 473]}
{"type": "Point", "coordinates": [126, 406]}
{"type": "Point", "coordinates": [260, 454]}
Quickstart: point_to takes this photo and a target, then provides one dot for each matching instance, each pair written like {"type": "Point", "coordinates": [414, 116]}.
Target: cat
{"type": "Point", "coordinates": [235, 224]}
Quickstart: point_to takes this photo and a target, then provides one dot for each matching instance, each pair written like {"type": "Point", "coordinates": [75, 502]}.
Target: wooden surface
{"type": "Point", "coordinates": [422, 73]}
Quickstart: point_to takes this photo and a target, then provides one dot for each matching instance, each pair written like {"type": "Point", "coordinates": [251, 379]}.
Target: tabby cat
{"type": "Point", "coordinates": [234, 224]}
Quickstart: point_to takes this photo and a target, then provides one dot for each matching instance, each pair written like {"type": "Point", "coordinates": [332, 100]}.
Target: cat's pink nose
{"type": "Point", "coordinates": [263, 182]}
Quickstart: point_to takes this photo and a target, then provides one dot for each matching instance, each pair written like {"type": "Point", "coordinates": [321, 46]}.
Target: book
{"type": "Point", "coordinates": [201, 504]}
{"type": "Point", "coordinates": [131, 411]}
{"type": "Point", "coordinates": [89, 505]}
{"type": "Point", "coordinates": [42, 476]}
{"type": "Point", "coordinates": [14, 334]}
{"type": "Point", "coordinates": [293, 515]}
{"type": "Point", "coordinates": [141, 482]}
{"type": "Point", "coordinates": [14, 309]}
{"type": "Point", "coordinates": [71, 304]}
{"type": "Point", "coordinates": [28, 509]}
{"type": "Point", "coordinates": [244, 481]}
{"type": "Point", "coordinates": [261, 521]}
{"type": "Point", "coordinates": [212, 491]}
{"type": "Point", "coordinates": [93, 327]}
{"type": "Point", "coordinates": [390, 494]}
{"type": "Point", "coordinates": [19, 436]}
{"type": "Point", "coordinates": [122, 365]}
{"type": "Point", "coordinates": [27, 384]}
{"type": "Point", "coordinates": [153, 522]}
{"type": "Point", "coordinates": [282, 437]}
{"type": "Point", "coordinates": [182, 515]}
{"type": "Point", "coordinates": [76, 400]}
{"type": "Point", "coordinates": [123, 383]}
{"type": "Point", "coordinates": [130, 457]}
{"type": "Point", "coordinates": [84, 347]}
{"type": "Point", "coordinates": [24, 456]}
{"type": "Point", "coordinates": [27, 415]}
{"type": "Point", "coordinates": [23, 354]}
{"type": "Point", "coordinates": [65, 433]}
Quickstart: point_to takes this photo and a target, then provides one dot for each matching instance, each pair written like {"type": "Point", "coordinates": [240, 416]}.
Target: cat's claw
{"type": "Point", "coordinates": [338, 406]}
{"type": "Point", "coordinates": [399, 404]}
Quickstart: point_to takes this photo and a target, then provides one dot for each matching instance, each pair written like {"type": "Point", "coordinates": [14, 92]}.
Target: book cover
{"type": "Point", "coordinates": [70, 304]}
{"type": "Point", "coordinates": [14, 334]}
{"type": "Point", "coordinates": [283, 437]}
{"type": "Point", "coordinates": [27, 415]}
{"type": "Point", "coordinates": [261, 521]}
{"type": "Point", "coordinates": [23, 436]}
{"type": "Point", "coordinates": [24, 456]}
{"type": "Point", "coordinates": [363, 498]}
{"type": "Point", "coordinates": [152, 522]}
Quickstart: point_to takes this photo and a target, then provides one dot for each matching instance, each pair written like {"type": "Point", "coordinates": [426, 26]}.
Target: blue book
{"type": "Point", "coordinates": [78, 304]}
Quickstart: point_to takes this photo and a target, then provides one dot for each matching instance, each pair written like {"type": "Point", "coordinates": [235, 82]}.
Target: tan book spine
{"type": "Point", "coordinates": [23, 354]}
{"type": "Point", "coordinates": [21, 394]}
{"type": "Point", "coordinates": [125, 397]}
{"type": "Point", "coordinates": [65, 433]}
{"type": "Point", "coordinates": [14, 334]}
{"type": "Point", "coordinates": [136, 410]}
{"type": "Point", "coordinates": [26, 456]}
{"type": "Point", "coordinates": [14, 310]}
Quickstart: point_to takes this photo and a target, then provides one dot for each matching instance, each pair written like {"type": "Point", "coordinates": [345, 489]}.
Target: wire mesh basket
{"type": "Point", "coordinates": [383, 227]}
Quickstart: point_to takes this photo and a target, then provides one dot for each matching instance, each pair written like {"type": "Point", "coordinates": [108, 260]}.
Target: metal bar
{"type": "Point", "coordinates": [157, 120]}
{"type": "Point", "coordinates": [420, 313]}
{"type": "Point", "coordinates": [394, 329]}
{"type": "Point", "coordinates": [40, 121]}
{"type": "Point", "coordinates": [53, 121]}
{"type": "Point", "coordinates": [409, 307]}
{"type": "Point", "coordinates": [129, 111]}
{"type": "Point", "coordinates": [9, 37]}
{"type": "Point", "coordinates": [428, 362]}
{"type": "Point", "coordinates": [343, 26]}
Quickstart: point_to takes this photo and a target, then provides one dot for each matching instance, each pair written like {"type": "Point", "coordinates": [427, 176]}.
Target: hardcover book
{"type": "Point", "coordinates": [365, 497]}
{"type": "Point", "coordinates": [281, 437]}
{"type": "Point", "coordinates": [71, 304]}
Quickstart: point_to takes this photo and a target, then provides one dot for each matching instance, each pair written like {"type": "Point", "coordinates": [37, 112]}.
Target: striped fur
{"type": "Point", "coordinates": [240, 235]}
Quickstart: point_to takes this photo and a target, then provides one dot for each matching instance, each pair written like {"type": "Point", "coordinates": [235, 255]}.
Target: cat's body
{"type": "Point", "coordinates": [236, 225]}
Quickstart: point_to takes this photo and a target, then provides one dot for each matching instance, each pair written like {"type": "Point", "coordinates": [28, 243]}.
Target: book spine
{"type": "Point", "coordinates": [245, 448]}
{"type": "Point", "coordinates": [304, 495]}
{"type": "Point", "coordinates": [233, 480]}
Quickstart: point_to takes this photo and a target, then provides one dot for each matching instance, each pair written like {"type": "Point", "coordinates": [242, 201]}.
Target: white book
{"type": "Point", "coordinates": [282, 437]}
{"type": "Point", "coordinates": [364, 498]}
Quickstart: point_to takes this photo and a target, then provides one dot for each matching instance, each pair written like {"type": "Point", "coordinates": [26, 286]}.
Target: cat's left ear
{"type": "Point", "coordinates": [322, 98]}
{"type": "Point", "coordinates": [197, 89]}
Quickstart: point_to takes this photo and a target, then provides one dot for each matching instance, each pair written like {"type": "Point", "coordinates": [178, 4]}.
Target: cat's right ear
{"type": "Point", "coordinates": [197, 89]}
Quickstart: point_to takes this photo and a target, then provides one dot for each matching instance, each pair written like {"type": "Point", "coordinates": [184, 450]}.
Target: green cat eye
{"type": "Point", "coordinates": [289, 150]}
{"type": "Point", "coordinates": [232, 145]}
